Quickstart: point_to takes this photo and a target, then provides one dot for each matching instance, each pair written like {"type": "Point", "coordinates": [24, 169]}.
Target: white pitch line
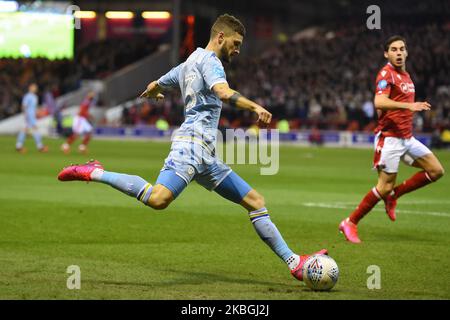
{"type": "Point", "coordinates": [341, 206]}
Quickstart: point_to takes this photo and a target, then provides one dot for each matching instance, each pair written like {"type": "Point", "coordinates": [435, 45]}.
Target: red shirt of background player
{"type": "Point", "coordinates": [84, 107]}
{"type": "Point", "coordinates": [399, 87]}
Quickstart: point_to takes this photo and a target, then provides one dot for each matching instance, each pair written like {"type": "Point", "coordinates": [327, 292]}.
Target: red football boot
{"type": "Point", "coordinates": [298, 271]}
{"type": "Point", "coordinates": [389, 204]}
{"type": "Point", "coordinates": [79, 172]}
{"type": "Point", "coordinates": [350, 230]}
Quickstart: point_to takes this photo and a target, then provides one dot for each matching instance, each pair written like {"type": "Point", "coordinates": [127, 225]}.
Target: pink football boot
{"type": "Point", "coordinates": [79, 172]}
{"type": "Point", "coordinates": [298, 271]}
{"type": "Point", "coordinates": [350, 230]}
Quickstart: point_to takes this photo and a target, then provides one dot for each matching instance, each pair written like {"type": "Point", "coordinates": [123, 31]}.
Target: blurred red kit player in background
{"type": "Point", "coordinates": [81, 125]}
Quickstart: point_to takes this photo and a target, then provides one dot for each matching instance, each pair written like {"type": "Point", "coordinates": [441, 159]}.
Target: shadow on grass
{"type": "Point", "coordinates": [272, 290]}
{"type": "Point", "coordinates": [201, 278]}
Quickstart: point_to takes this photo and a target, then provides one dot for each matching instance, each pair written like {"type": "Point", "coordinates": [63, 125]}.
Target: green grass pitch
{"type": "Point", "coordinates": [203, 247]}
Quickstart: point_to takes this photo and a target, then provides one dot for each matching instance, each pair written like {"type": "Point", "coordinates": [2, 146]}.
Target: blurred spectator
{"type": "Point", "coordinates": [315, 137]}
{"type": "Point", "coordinates": [445, 137]}
{"type": "Point", "coordinates": [441, 137]}
{"type": "Point", "coordinates": [95, 60]}
{"type": "Point", "coordinates": [162, 124]}
{"type": "Point", "coordinates": [283, 126]}
{"type": "Point", "coordinates": [328, 81]}
{"type": "Point", "coordinates": [322, 82]}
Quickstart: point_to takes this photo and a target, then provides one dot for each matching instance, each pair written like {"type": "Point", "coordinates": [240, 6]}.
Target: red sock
{"type": "Point", "coordinates": [71, 138]}
{"type": "Point", "coordinates": [419, 180]}
{"type": "Point", "coordinates": [86, 139]}
{"type": "Point", "coordinates": [369, 201]}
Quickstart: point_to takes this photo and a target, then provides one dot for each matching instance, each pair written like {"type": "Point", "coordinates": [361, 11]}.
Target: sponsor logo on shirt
{"type": "Point", "coordinates": [407, 87]}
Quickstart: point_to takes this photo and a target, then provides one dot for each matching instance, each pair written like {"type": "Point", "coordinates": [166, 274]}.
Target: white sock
{"type": "Point", "coordinates": [293, 261]}
{"type": "Point", "coordinates": [97, 174]}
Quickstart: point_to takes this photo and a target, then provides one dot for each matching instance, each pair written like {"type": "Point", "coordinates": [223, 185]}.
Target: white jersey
{"type": "Point", "coordinates": [195, 77]}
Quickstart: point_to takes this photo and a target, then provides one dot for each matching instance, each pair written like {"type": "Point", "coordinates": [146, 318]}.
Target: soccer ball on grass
{"type": "Point", "coordinates": [320, 272]}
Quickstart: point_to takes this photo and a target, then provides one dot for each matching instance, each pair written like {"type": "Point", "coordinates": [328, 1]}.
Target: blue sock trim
{"type": "Point", "coordinates": [146, 193]}
{"type": "Point", "coordinates": [258, 211]}
{"type": "Point", "coordinates": [139, 195]}
{"type": "Point", "coordinates": [258, 214]}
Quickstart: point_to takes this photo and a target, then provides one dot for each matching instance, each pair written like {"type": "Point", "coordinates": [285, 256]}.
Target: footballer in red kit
{"type": "Point", "coordinates": [81, 126]}
{"type": "Point", "coordinates": [394, 140]}
{"type": "Point", "coordinates": [398, 86]}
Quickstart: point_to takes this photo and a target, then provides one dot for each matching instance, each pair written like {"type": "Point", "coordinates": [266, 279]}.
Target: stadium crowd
{"type": "Point", "coordinates": [328, 81]}
{"type": "Point", "coordinates": [95, 60]}
{"type": "Point", "coordinates": [324, 81]}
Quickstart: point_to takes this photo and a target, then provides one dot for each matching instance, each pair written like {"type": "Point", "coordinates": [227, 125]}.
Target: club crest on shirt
{"type": "Point", "coordinates": [219, 72]}
{"type": "Point", "coordinates": [382, 84]}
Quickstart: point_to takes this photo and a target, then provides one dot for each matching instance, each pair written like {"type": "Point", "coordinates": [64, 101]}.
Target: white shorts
{"type": "Point", "coordinates": [81, 126]}
{"type": "Point", "coordinates": [390, 150]}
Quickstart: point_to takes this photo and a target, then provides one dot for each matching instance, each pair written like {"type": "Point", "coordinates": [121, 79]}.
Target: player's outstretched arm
{"type": "Point", "coordinates": [153, 90]}
{"type": "Point", "coordinates": [228, 95]}
{"type": "Point", "coordinates": [382, 102]}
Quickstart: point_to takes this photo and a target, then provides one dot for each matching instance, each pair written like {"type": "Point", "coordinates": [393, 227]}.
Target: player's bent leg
{"type": "Point", "coordinates": [253, 201]}
{"type": "Point", "coordinates": [168, 185]}
{"type": "Point", "coordinates": [431, 165]}
{"type": "Point", "coordinates": [160, 198]}
{"type": "Point", "coordinates": [432, 171]}
{"type": "Point", "coordinates": [386, 183]}
{"type": "Point", "coordinates": [425, 160]}
{"type": "Point", "coordinates": [385, 186]}
{"type": "Point", "coordinates": [235, 189]}
{"type": "Point", "coordinates": [167, 188]}
{"type": "Point", "coordinates": [349, 226]}
{"type": "Point", "coordinates": [131, 185]}
{"type": "Point", "coordinates": [269, 233]}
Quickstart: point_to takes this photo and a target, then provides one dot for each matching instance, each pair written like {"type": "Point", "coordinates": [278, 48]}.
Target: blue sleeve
{"type": "Point", "coordinates": [213, 72]}
{"type": "Point", "coordinates": [170, 79]}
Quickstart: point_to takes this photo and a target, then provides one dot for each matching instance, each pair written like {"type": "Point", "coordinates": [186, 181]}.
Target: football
{"type": "Point", "coordinates": [320, 272]}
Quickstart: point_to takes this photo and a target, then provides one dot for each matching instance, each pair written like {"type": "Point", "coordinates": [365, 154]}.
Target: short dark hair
{"type": "Point", "coordinates": [227, 23]}
{"type": "Point", "coordinates": [392, 39]}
